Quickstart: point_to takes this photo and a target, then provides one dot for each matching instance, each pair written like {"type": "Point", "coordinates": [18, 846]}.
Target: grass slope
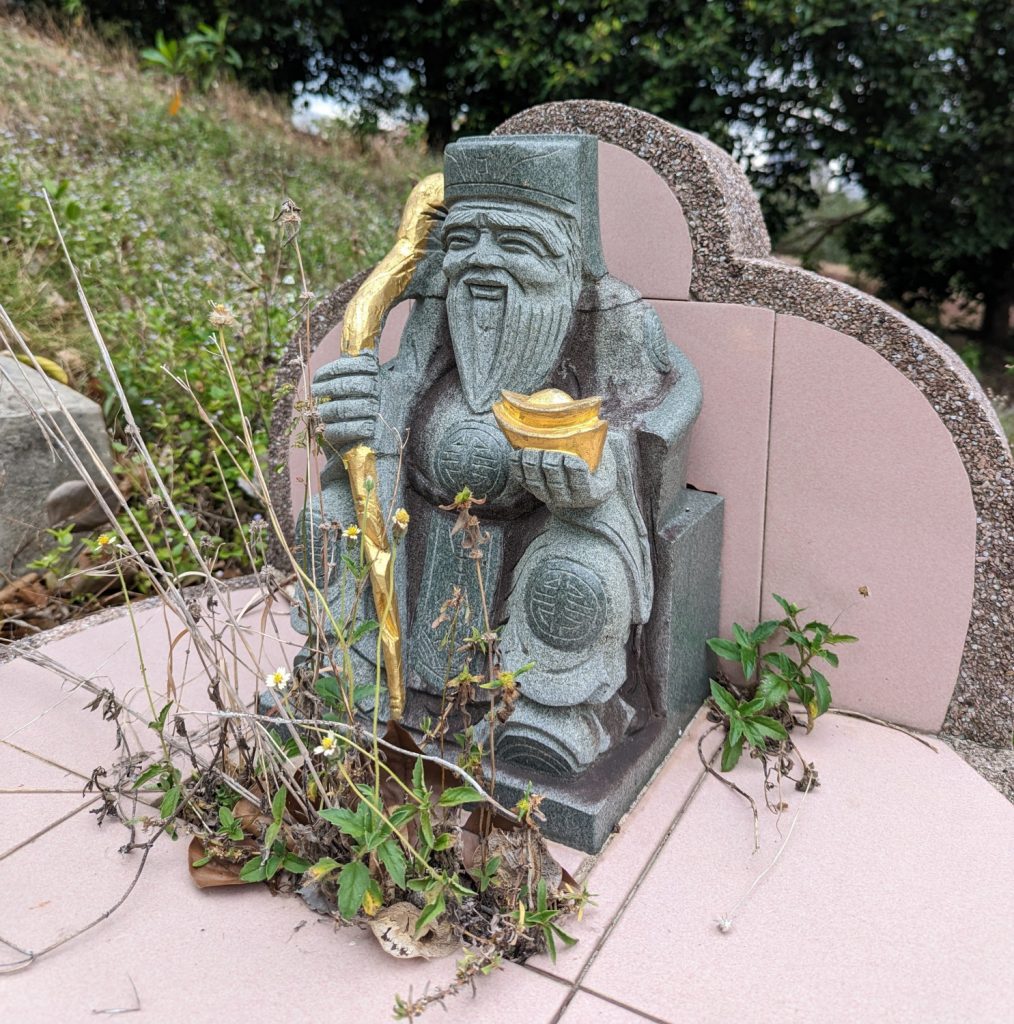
{"type": "Point", "coordinates": [165, 215]}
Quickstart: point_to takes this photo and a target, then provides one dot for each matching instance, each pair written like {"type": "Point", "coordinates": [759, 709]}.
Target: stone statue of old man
{"type": "Point", "coordinates": [512, 299]}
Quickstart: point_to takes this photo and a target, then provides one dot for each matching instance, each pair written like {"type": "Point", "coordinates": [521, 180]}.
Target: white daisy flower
{"type": "Point", "coordinates": [278, 679]}
{"type": "Point", "coordinates": [328, 745]}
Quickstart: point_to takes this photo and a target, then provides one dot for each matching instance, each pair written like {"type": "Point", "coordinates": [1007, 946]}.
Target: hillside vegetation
{"type": "Point", "coordinates": [164, 215]}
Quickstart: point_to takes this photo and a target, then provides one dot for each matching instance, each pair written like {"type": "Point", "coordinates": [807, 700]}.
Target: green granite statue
{"type": "Point", "coordinates": [549, 389]}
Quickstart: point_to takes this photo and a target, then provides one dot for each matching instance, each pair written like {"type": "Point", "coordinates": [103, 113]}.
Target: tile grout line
{"type": "Point", "coordinates": [767, 468]}
{"type": "Point", "coordinates": [623, 1006]}
{"type": "Point", "coordinates": [627, 900]}
{"type": "Point", "coordinates": [48, 828]}
{"type": "Point", "coordinates": [44, 760]}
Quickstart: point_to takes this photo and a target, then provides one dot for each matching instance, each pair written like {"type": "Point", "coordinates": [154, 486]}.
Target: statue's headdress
{"type": "Point", "coordinates": [559, 172]}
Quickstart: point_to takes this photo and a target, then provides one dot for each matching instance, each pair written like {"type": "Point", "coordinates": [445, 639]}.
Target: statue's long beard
{"type": "Point", "coordinates": [512, 343]}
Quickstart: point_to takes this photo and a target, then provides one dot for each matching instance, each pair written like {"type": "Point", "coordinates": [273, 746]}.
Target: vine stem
{"type": "Point", "coordinates": [732, 785]}
{"type": "Point", "coordinates": [725, 922]}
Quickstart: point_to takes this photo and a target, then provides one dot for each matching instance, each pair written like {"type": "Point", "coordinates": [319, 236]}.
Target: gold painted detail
{"type": "Point", "coordinates": [364, 319]}
{"type": "Point", "coordinates": [553, 421]}
{"type": "Point", "coordinates": [361, 465]}
{"type": "Point", "coordinates": [364, 316]}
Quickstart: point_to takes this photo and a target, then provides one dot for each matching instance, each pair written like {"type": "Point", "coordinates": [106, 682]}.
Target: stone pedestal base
{"type": "Point", "coordinates": [583, 810]}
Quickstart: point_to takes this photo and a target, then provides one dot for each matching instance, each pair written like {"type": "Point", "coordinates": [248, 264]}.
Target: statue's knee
{"type": "Point", "coordinates": [565, 603]}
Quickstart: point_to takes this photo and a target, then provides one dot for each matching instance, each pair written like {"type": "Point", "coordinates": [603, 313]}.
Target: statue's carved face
{"type": "Point", "coordinates": [513, 278]}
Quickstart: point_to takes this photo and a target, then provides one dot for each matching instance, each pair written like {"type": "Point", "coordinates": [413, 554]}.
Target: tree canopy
{"type": "Point", "coordinates": [909, 100]}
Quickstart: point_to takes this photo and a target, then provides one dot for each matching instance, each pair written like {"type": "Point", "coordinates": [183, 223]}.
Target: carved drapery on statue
{"type": "Point", "coordinates": [549, 389]}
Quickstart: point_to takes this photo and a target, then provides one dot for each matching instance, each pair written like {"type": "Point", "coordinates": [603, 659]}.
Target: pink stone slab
{"type": "Point", "coordinates": [24, 815]}
{"type": "Point", "coordinates": [890, 903]}
{"type": "Point", "coordinates": [645, 238]}
{"type": "Point", "coordinates": [208, 956]}
{"type": "Point", "coordinates": [585, 1008]}
{"type": "Point", "coordinates": [23, 771]}
{"type": "Point", "coordinates": [731, 348]}
{"type": "Point", "coordinates": [618, 867]}
{"type": "Point", "coordinates": [45, 712]}
{"type": "Point", "coordinates": [866, 488]}
{"type": "Point", "coordinates": [304, 471]}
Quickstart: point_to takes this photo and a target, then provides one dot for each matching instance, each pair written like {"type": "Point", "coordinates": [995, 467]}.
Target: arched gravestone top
{"type": "Point", "coordinates": [821, 328]}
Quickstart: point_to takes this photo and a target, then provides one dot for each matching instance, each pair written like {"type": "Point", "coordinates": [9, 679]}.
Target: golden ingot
{"type": "Point", "coordinates": [553, 421]}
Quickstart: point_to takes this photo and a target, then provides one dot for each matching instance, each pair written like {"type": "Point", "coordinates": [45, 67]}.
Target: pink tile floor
{"type": "Point", "coordinates": [891, 901]}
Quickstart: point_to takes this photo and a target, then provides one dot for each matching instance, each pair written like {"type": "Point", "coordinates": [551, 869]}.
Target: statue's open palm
{"type": "Point", "coordinates": [563, 480]}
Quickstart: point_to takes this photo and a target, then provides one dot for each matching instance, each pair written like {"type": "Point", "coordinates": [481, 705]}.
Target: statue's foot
{"type": "Point", "coordinates": [560, 741]}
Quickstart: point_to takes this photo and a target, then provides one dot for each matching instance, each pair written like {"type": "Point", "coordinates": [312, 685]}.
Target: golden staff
{"type": "Point", "coordinates": [364, 320]}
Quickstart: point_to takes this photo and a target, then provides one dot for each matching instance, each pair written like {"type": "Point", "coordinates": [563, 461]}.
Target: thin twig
{"type": "Point", "coordinates": [885, 724]}
{"type": "Point", "coordinates": [348, 730]}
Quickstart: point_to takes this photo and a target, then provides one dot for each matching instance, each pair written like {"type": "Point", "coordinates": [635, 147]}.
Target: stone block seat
{"type": "Point", "coordinates": [853, 450]}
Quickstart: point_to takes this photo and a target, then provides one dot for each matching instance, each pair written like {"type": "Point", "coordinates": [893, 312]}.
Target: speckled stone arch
{"type": "Point", "coordinates": [732, 264]}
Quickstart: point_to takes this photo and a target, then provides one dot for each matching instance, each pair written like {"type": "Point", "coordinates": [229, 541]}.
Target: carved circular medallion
{"type": "Point", "coordinates": [566, 604]}
{"type": "Point", "coordinates": [473, 455]}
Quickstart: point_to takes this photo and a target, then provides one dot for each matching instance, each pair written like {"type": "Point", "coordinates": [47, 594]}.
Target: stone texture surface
{"type": "Point", "coordinates": [731, 254]}
{"type": "Point", "coordinates": [996, 765]}
{"type": "Point", "coordinates": [30, 468]}
{"type": "Point", "coordinates": [582, 812]}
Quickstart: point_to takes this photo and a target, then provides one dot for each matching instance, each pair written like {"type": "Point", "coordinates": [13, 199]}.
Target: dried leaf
{"type": "Point", "coordinates": [394, 928]}
{"type": "Point", "coordinates": [216, 873]}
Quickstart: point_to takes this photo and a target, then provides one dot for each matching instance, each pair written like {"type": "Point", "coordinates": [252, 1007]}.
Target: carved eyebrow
{"type": "Point", "coordinates": [550, 234]}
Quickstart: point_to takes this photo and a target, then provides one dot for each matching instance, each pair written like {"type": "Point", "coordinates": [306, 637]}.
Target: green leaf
{"type": "Point", "coordinates": [841, 638]}
{"type": "Point", "coordinates": [724, 648]}
{"type": "Point", "coordinates": [363, 628]}
{"type": "Point", "coordinates": [772, 690]}
{"type": "Point", "coordinates": [730, 754]}
{"type": "Point", "coordinates": [253, 871]}
{"type": "Point", "coordinates": [769, 728]}
{"type": "Point", "coordinates": [764, 631]}
{"type": "Point", "coordinates": [430, 913]}
{"type": "Point", "coordinates": [830, 657]}
{"type": "Point", "coordinates": [822, 691]}
{"type": "Point", "coordinates": [781, 661]}
{"type": "Point", "coordinates": [324, 866]}
{"type": "Point", "coordinates": [444, 841]}
{"type": "Point", "coordinates": [352, 884]}
{"type": "Point", "coordinates": [393, 859]}
{"type": "Point", "coordinates": [402, 815]}
{"type": "Point", "coordinates": [295, 864]}
{"type": "Point", "coordinates": [278, 803]}
{"type": "Point", "coordinates": [169, 803]}
{"type": "Point", "coordinates": [725, 700]}
{"type": "Point", "coordinates": [148, 774]}
{"type": "Point", "coordinates": [735, 731]}
{"type": "Point", "coordinates": [272, 865]}
{"type": "Point", "coordinates": [459, 795]}
{"type": "Point", "coordinates": [748, 660]}
{"type": "Point", "coordinates": [327, 690]}
{"type": "Point", "coordinates": [751, 707]}
{"type": "Point", "coordinates": [741, 635]}
{"type": "Point", "coordinates": [350, 823]}
{"type": "Point", "coordinates": [787, 606]}
{"type": "Point", "coordinates": [419, 780]}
